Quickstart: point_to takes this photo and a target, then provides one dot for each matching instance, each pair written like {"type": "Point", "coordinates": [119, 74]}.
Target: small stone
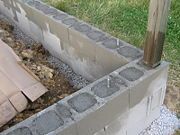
{"type": "Point", "coordinates": [47, 72]}
{"type": "Point", "coordinates": [28, 53]}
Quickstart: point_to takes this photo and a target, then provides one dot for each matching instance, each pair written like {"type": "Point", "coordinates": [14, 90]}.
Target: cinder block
{"type": "Point", "coordinates": [70, 21]}
{"type": "Point", "coordinates": [130, 52]}
{"type": "Point", "coordinates": [7, 112]}
{"type": "Point", "coordinates": [101, 132]}
{"type": "Point", "coordinates": [103, 91]}
{"type": "Point", "coordinates": [21, 131]}
{"type": "Point", "coordinates": [60, 16]}
{"type": "Point", "coordinates": [96, 35]}
{"type": "Point", "coordinates": [83, 47]}
{"type": "Point", "coordinates": [19, 101]}
{"type": "Point", "coordinates": [46, 123]}
{"type": "Point", "coordinates": [20, 15]}
{"type": "Point", "coordinates": [137, 113]}
{"type": "Point", "coordinates": [118, 126]}
{"type": "Point", "coordinates": [156, 99]}
{"type": "Point", "coordinates": [68, 129]}
{"type": "Point", "coordinates": [151, 81]}
{"type": "Point", "coordinates": [63, 111]}
{"type": "Point", "coordinates": [108, 86]}
{"type": "Point", "coordinates": [112, 43]}
{"type": "Point", "coordinates": [107, 60]}
{"type": "Point", "coordinates": [82, 28]}
{"type": "Point", "coordinates": [82, 102]}
{"type": "Point", "coordinates": [85, 43]}
{"type": "Point", "coordinates": [131, 73]}
{"type": "Point", "coordinates": [53, 19]}
{"type": "Point", "coordinates": [102, 114]}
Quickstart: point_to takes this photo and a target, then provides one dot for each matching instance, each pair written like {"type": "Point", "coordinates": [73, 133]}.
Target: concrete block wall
{"type": "Point", "coordinates": [89, 51]}
{"type": "Point", "coordinates": [125, 96]}
{"type": "Point", "coordinates": [112, 105]}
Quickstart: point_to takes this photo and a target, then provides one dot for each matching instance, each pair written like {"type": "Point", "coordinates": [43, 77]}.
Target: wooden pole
{"type": "Point", "coordinates": [157, 23]}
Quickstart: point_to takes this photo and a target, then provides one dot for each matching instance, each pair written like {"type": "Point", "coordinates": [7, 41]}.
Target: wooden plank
{"type": "Point", "coordinates": [7, 112]}
{"type": "Point", "coordinates": [157, 24]}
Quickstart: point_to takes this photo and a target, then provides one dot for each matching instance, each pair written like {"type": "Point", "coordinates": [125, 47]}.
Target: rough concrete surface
{"type": "Point", "coordinates": [21, 131]}
{"type": "Point", "coordinates": [131, 73]}
{"type": "Point", "coordinates": [96, 35]}
{"type": "Point", "coordinates": [130, 52]}
{"type": "Point", "coordinates": [63, 111]}
{"type": "Point", "coordinates": [102, 90]}
{"type": "Point", "coordinates": [82, 102]}
{"type": "Point", "coordinates": [47, 122]}
{"type": "Point", "coordinates": [112, 43]}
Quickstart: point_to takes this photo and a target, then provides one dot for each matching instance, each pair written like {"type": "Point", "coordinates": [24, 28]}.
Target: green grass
{"type": "Point", "coordinates": [127, 20]}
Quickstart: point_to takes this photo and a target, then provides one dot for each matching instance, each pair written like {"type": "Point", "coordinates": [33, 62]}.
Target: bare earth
{"type": "Point", "coordinates": [35, 58]}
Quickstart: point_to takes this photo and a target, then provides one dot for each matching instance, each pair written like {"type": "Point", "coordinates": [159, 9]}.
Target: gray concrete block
{"type": "Point", "coordinates": [96, 35]}
{"type": "Point", "coordinates": [103, 91]}
{"type": "Point", "coordinates": [60, 16]}
{"type": "Point", "coordinates": [131, 73]}
{"type": "Point", "coordinates": [82, 102]}
{"type": "Point", "coordinates": [101, 132]}
{"type": "Point", "coordinates": [83, 54]}
{"type": "Point", "coordinates": [156, 99]}
{"type": "Point", "coordinates": [47, 122]}
{"type": "Point", "coordinates": [82, 27]}
{"type": "Point", "coordinates": [130, 52]}
{"type": "Point", "coordinates": [117, 127]}
{"type": "Point", "coordinates": [112, 43]}
{"type": "Point", "coordinates": [67, 129]}
{"type": "Point", "coordinates": [90, 51]}
{"type": "Point", "coordinates": [152, 81]}
{"type": "Point", "coordinates": [46, 9]}
{"type": "Point", "coordinates": [21, 131]}
{"type": "Point", "coordinates": [63, 111]}
{"type": "Point", "coordinates": [103, 113]}
{"type": "Point", "coordinates": [70, 21]}
{"type": "Point", "coordinates": [108, 87]}
{"type": "Point", "coordinates": [107, 60]}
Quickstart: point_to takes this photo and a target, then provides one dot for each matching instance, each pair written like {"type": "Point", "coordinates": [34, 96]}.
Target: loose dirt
{"type": "Point", "coordinates": [35, 57]}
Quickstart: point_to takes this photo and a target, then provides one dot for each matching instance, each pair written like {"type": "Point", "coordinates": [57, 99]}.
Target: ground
{"type": "Point", "coordinates": [127, 20]}
{"type": "Point", "coordinates": [36, 59]}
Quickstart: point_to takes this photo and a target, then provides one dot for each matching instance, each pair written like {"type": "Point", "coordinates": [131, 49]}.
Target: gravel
{"type": "Point", "coordinates": [77, 81]}
{"type": "Point", "coordinates": [18, 34]}
{"type": "Point", "coordinates": [166, 124]}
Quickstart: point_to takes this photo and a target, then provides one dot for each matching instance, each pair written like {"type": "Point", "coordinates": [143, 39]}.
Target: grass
{"type": "Point", "coordinates": [127, 20]}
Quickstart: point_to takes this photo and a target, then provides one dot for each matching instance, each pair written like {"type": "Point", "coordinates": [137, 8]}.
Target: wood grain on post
{"type": "Point", "coordinates": [157, 23]}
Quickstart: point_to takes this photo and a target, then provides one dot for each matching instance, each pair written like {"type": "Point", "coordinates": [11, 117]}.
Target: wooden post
{"type": "Point", "coordinates": [157, 23]}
